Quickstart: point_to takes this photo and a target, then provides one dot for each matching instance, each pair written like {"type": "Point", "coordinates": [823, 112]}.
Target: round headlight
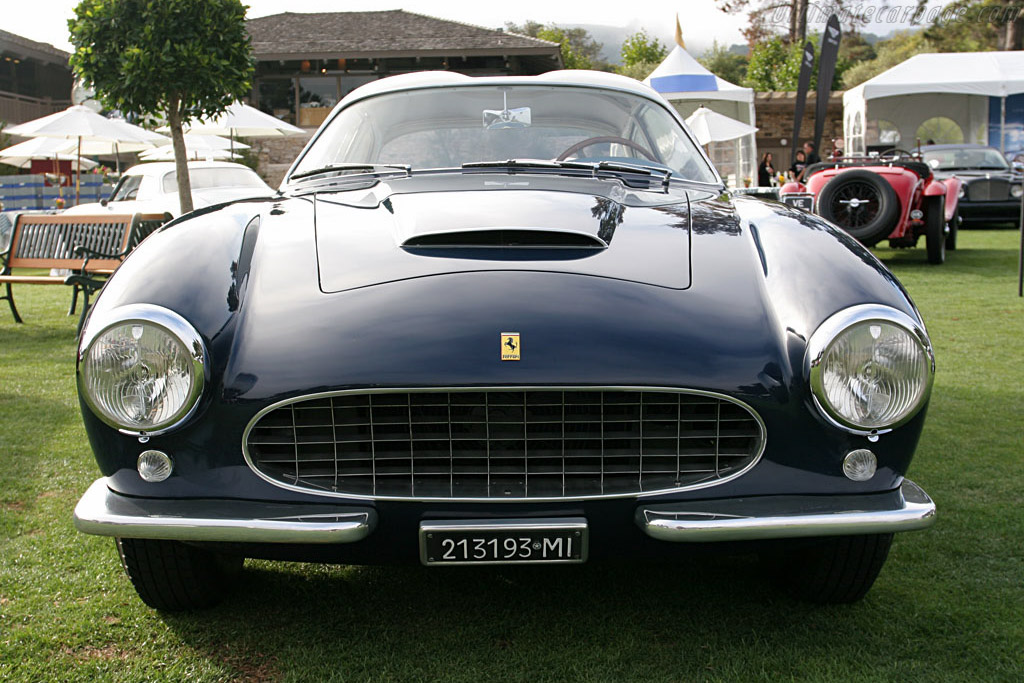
{"type": "Point", "coordinates": [870, 367]}
{"type": "Point", "coordinates": [1016, 191]}
{"type": "Point", "coordinates": [143, 372]}
{"type": "Point", "coordinates": [963, 191]}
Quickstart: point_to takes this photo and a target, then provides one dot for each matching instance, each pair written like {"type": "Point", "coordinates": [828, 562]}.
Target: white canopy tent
{"type": "Point", "coordinates": [687, 85]}
{"type": "Point", "coordinates": [944, 97]}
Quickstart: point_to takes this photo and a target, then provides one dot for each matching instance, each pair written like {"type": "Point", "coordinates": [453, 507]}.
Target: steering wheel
{"type": "Point", "coordinates": [895, 153]}
{"type": "Point", "coordinates": [605, 138]}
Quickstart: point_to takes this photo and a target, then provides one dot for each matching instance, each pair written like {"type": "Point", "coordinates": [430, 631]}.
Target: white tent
{"type": "Point", "coordinates": [944, 97]}
{"type": "Point", "coordinates": [687, 85]}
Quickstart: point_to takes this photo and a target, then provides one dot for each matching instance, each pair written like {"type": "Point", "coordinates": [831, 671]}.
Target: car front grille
{"type": "Point", "coordinates": [988, 190]}
{"type": "Point", "coordinates": [507, 444]}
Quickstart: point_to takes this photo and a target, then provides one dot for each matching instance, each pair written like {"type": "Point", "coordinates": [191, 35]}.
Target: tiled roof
{"type": "Point", "coordinates": [380, 34]}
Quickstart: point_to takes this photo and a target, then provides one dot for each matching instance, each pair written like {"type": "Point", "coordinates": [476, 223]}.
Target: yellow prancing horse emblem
{"type": "Point", "coordinates": [511, 347]}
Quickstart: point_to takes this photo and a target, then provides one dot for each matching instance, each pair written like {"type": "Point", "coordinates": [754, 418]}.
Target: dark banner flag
{"type": "Point", "coordinates": [806, 69]}
{"type": "Point", "coordinates": [826, 70]}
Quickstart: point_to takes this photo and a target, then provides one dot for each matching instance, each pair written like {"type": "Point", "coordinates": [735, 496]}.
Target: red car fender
{"type": "Point", "coordinates": [950, 187]}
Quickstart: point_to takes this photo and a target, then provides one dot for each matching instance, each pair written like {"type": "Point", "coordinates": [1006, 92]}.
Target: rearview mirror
{"type": "Point", "coordinates": [495, 119]}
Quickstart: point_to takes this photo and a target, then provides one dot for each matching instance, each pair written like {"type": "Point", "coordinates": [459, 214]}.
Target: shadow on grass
{"type": "Point", "coordinates": [615, 621]}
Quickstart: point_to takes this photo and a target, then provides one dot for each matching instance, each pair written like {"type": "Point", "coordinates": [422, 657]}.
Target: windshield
{"type": "Point", "coordinates": [965, 157]}
{"type": "Point", "coordinates": [206, 178]}
{"type": "Point", "coordinates": [127, 189]}
{"type": "Point", "coordinates": [452, 126]}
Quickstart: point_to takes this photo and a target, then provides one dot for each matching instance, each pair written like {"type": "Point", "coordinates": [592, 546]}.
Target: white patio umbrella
{"type": "Point", "coordinates": [22, 154]}
{"type": "Point", "coordinates": [85, 126]}
{"type": "Point", "coordinates": [197, 146]}
{"type": "Point", "coordinates": [241, 120]}
{"type": "Point", "coordinates": [710, 126]}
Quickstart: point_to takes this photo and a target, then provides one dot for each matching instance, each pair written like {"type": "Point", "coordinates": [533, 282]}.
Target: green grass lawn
{"type": "Point", "coordinates": [949, 604]}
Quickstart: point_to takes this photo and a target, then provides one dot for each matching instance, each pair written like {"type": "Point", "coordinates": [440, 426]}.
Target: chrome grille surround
{"type": "Point", "coordinates": [988, 190]}
{"type": "Point", "coordinates": [333, 443]}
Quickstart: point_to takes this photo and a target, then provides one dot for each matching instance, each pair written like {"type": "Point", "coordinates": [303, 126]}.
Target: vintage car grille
{"type": "Point", "coordinates": [504, 444]}
{"type": "Point", "coordinates": [988, 190]}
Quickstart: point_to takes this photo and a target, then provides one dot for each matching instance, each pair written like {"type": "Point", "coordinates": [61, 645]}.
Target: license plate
{"type": "Point", "coordinates": [511, 541]}
{"type": "Point", "coordinates": [805, 203]}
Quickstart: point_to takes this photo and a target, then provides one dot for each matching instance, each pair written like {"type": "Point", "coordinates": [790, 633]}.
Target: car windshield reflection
{"type": "Point", "coordinates": [449, 127]}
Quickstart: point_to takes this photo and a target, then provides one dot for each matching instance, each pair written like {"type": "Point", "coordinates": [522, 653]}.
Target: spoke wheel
{"type": "Point", "coordinates": [855, 205]}
{"type": "Point", "coordinates": [862, 203]}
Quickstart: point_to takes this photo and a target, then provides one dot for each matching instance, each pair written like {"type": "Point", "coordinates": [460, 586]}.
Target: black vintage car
{"type": "Point", "coordinates": [502, 320]}
{"type": "Point", "coordinates": [991, 189]}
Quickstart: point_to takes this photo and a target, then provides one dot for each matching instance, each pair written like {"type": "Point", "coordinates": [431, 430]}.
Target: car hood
{"type": "Point", "coordinates": [365, 240]}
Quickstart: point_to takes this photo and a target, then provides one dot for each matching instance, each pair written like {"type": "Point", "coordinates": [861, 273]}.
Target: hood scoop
{"type": "Point", "coordinates": [415, 235]}
{"type": "Point", "coordinates": [510, 238]}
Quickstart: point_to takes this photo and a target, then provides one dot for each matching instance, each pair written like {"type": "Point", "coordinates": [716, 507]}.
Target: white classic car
{"type": "Point", "coordinates": [153, 188]}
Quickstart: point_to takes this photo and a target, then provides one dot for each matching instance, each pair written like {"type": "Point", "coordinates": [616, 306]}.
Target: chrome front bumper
{"type": "Point", "coordinates": [105, 513]}
{"type": "Point", "coordinates": [904, 509]}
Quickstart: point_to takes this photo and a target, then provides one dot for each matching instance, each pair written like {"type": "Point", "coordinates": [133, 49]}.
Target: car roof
{"type": "Point", "coordinates": [157, 168]}
{"type": "Point", "coordinates": [432, 79]}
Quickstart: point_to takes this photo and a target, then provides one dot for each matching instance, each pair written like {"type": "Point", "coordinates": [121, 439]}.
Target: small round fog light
{"type": "Point", "coordinates": [917, 214]}
{"type": "Point", "coordinates": [154, 466]}
{"type": "Point", "coordinates": [859, 465]}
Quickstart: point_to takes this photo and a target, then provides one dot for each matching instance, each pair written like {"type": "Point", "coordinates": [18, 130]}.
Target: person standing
{"type": "Point", "coordinates": [765, 171]}
{"type": "Point", "coordinates": [796, 171]}
{"type": "Point", "coordinates": [811, 153]}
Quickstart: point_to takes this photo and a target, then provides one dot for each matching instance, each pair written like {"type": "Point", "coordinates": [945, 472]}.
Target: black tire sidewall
{"type": "Point", "coordinates": [934, 233]}
{"type": "Point", "coordinates": [888, 213]}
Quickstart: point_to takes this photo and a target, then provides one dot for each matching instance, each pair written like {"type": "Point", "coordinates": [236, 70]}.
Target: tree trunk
{"type": "Point", "coordinates": [799, 22]}
{"type": "Point", "coordinates": [180, 156]}
{"type": "Point", "coordinates": [1013, 34]}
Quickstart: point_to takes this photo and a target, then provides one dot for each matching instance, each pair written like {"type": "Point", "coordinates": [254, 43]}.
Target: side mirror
{"type": "Point", "coordinates": [104, 201]}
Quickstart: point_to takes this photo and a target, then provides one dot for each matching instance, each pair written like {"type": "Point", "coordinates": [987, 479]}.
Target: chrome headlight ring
{"type": "Point", "coordinates": [118, 329]}
{"type": "Point", "coordinates": [824, 340]}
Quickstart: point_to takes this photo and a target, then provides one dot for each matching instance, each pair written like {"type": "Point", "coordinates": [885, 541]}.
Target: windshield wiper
{"type": "Point", "coordinates": [353, 167]}
{"type": "Point", "coordinates": [595, 169]}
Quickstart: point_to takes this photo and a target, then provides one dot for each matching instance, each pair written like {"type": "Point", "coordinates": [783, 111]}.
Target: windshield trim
{"type": "Point", "coordinates": [491, 83]}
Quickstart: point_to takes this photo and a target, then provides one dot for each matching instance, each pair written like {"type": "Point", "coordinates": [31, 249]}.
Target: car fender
{"type": "Point", "coordinates": [950, 188]}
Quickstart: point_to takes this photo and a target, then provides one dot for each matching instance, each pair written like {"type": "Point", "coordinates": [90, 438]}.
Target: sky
{"type": "Point", "coordinates": [702, 22]}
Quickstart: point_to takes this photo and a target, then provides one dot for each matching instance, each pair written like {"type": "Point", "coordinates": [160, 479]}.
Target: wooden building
{"type": "Point", "coordinates": [305, 63]}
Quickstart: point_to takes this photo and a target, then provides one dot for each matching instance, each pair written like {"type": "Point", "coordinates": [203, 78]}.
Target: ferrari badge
{"type": "Point", "coordinates": [511, 347]}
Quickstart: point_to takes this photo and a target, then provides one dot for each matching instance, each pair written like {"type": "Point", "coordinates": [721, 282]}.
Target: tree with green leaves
{"type": "Point", "coordinates": [179, 59]}
{"type": "Point", "coordinates": [895, 50]}
{"type": "Point", "coordinates": [726, 65]}
{"type": "Point", "coordinates": [772, 65]}
{"type": "Point", "coordinates": [775, 65]}
{"type": "Point", "coordinates": [640, 47]}
{"type": "Point", "coordinates": [579, 49]}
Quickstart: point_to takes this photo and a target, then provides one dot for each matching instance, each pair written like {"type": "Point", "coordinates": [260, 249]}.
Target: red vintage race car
{"type": "Point", "coordinates": [893, 195]}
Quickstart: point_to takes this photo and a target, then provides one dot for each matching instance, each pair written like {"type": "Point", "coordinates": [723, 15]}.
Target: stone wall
{"type": "Point", "coordinates": [774, 112]}
{"type": "Point", "coordinates": [277, 154]}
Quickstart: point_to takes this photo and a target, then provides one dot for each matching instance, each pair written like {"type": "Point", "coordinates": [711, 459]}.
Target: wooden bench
{"type": "Point", "coordinates": [91, 247]}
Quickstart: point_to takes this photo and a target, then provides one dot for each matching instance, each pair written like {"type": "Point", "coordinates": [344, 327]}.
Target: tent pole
{"type": "Point", "coordinates": [78, 176]}
{"type": "Point", "coordinates": [1020, 257]}
{"type": "Point", "coordinates": [1002, 125]}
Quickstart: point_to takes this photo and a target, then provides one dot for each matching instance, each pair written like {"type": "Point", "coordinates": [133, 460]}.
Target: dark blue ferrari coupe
{"type": "Point", "coordinates": [502, 320]}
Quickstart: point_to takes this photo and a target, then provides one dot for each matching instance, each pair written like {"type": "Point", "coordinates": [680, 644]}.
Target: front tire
{"type": "Point", "coordinates": [954, 228]}
{"type": "Point", "coordinates": [834, 570]}
{"type": "Point", "coordinates": [934, 230]}
{"type": "Point", "coordinates": [173, 576]}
